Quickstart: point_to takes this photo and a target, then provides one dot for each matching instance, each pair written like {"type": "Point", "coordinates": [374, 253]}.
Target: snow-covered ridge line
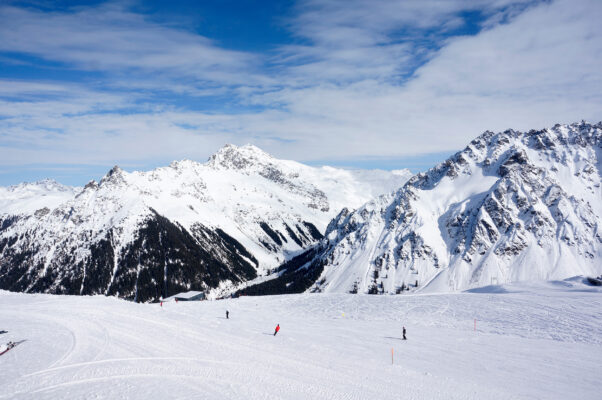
{"type": "Point", "coordinates": [205, 226]}
{"type": "Point", "coordinates": [511, 206]}
{"type": "Point", "coordinates": [29, 197]}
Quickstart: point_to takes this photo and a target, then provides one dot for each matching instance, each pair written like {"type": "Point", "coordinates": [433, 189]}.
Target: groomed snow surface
{"type": "Point", "coordinates": [532, 341]}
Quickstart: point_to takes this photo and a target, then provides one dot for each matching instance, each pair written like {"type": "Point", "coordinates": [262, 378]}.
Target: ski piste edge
{"type": "Point", "coordinates": [11, 345]}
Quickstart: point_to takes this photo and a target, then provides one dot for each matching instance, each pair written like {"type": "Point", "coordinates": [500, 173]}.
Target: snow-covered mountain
{"type": "Point", "coordinates": [188, 226]}
{"type": "Point", "coordinates": [511, 206]}
{"type": "Point", "coordinates": [29, 197]}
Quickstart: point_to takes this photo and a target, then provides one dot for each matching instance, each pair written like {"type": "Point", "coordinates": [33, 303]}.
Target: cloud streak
{"type": "Point", "coordinates": [109, 38]}
{"type": "Point", "coordinates": [360, 80]}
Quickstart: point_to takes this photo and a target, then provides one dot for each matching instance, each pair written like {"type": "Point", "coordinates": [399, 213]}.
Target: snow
{"type": "Point", "coordinates": [184, 295]}
{"type": "Point", "coordinates": [532, 340]}
{"type": "Point", "coordinates": [235, 190]}
{"type": "Point", "coordinates": [30, 197]}
{"type": "Point", "coordinates": [231, 192]}
{"type": "Point", "coordinates": [3, 347]}
{"type": "Point", "coordinates": [465, 224]}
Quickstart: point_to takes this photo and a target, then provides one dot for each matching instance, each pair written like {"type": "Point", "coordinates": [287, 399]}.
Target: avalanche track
{"type": "Point", "coordinates": [536, 340]}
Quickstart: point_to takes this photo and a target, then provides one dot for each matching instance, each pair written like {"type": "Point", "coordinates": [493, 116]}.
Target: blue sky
{"type": "Point", "coordinates": [365, 84]}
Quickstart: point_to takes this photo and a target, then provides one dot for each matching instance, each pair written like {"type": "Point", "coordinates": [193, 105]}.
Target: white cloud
{"type": "Point", "coordinates": [339, 95]}
{"type": "Point", "coordinates": [109, 38]}
{"type": "Point", "coordinates": [537, 68]}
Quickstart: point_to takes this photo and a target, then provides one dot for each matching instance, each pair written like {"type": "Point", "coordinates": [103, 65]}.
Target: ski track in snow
{"type": "Point", "coordinates": [541, 341]}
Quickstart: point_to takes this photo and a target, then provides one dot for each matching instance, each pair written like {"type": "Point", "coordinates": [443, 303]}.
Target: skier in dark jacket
{"type": "Point", "coordinates": [227, 314]}
{"type": "Point", "coordinates": [277, 329]}
{"type": "Point", "coordinates": [404, 333]}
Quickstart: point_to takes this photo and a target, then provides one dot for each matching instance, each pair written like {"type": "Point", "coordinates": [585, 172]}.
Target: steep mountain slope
{"type": "Point", "coordinates": [511, 206]}
{"type": "Point", "coordinates": [188, 226]}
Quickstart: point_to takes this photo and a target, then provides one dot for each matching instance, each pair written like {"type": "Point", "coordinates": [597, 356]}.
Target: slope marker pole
{"type": "Point", "coordinates": [391, 355]}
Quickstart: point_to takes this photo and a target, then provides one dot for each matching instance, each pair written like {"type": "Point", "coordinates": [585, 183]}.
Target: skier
{"type": "Point", "coordinates": [404, 333]}
{"type": "Point", "coordinates": [227, 314]}
{"type": "Point", "coordinates": [277, 329]}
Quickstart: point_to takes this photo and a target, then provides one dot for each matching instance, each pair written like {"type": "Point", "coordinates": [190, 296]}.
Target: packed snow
{"type": "Point", "coordinates": [532, 341]}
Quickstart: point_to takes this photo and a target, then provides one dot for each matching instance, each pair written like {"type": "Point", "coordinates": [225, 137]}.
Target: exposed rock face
{"type": "Point", "coordinates": [188, 226]}
{"type": "Point", "coordinates": [510, 206]}
{"type": "Point", "coordinates": [163, 258]}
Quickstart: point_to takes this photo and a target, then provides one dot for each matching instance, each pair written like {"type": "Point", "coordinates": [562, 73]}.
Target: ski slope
{"type": "Point", "coordinates": [532, 341]}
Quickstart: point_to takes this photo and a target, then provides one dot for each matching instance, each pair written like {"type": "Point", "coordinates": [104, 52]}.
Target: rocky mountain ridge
{"type": "Point", "coordinates": [188, 226]}
{"type": "Point", "coordinates": [511, 206]}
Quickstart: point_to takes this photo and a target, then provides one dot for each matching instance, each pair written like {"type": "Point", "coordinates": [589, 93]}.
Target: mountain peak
{"type": "Point", "coordinates": [510, 206]}
{"type": "Point", "coordinates": [239, 157]}
{"type": "Point", "coordinates": [115, 175]}
{"type": "Point", "coordinates": [114, 170]}
{"type": "Point", "coordinates": [183, 164]}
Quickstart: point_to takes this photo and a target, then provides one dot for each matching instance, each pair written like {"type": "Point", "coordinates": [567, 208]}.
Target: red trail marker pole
{"type": "Point", "coordinates": [391, 355]}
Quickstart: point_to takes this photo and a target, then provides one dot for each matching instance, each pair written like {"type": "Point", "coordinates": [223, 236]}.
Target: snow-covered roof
{"type": "Point", "coordinates": [185, 295]}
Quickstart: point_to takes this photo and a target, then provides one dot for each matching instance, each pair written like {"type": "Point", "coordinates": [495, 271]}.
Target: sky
{"type": "Point", "coordinates": [357, 84]}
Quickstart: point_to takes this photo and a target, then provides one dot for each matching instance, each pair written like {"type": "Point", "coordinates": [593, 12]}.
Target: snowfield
{"type": "Point", "coordinates": [532, 341]}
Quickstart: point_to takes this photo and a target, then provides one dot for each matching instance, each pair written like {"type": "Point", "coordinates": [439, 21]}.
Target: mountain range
{"type": "Point", "coordinates": [188, 226]}
{"type": "Point", "coordinates": [511, 206]}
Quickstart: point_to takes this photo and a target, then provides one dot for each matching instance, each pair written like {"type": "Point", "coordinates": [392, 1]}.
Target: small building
{"type": "Point", "coordinates": [187, 296]}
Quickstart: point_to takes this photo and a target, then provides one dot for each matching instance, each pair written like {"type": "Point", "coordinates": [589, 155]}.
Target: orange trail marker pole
{"type": "Point", "coordinates": [391, 355]}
